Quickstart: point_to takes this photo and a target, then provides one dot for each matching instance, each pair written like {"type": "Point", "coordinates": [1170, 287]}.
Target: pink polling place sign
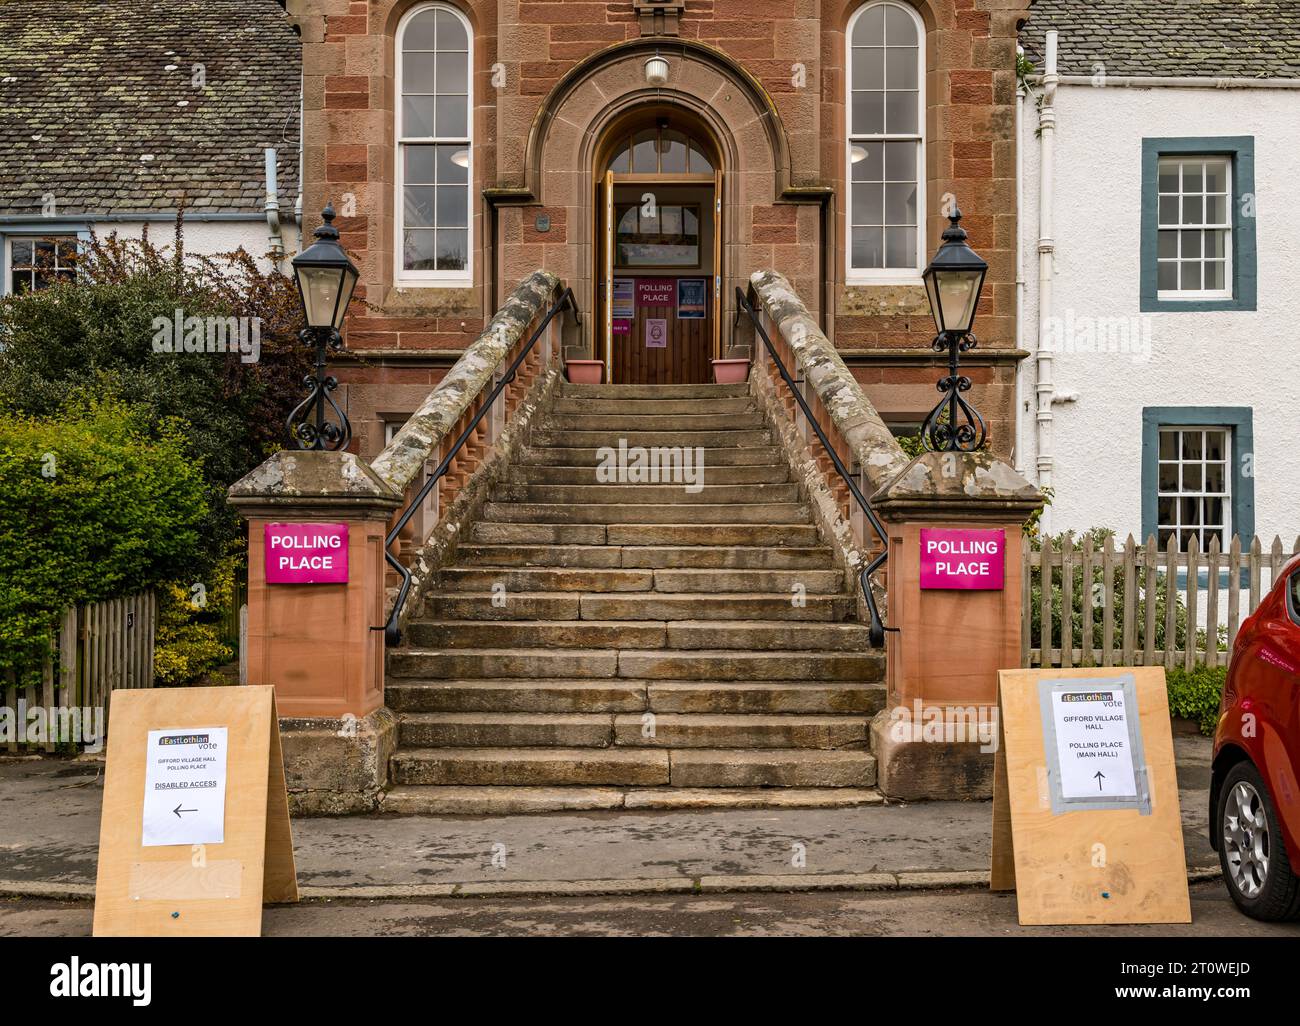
{"type": "Point", "coordinates": [306, 553]}
{"type": "Point", "coordinates": [963, 559]}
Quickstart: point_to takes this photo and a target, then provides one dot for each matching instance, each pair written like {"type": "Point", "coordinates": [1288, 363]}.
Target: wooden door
{"type": "Point", "coordinates": [607, 272]}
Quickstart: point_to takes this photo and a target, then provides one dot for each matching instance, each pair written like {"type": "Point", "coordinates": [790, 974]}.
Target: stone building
{"type": "Point", "coordinates": [652, 152]}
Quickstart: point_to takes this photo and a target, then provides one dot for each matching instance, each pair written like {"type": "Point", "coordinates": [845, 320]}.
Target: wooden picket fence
{"type": "Point", "coordinates": [1117, 598]}
{"type": "Point", "coordinates": [99, 647]}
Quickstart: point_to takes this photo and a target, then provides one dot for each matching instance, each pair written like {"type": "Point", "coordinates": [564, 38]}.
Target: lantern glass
{"type": "Point", "coordinates": [953, 294]}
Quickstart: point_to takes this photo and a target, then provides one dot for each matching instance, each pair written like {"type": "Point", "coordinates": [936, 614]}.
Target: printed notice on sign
{"type": "Point", "coordinates": [185, 787]}
{"type": "Point", "coordinates": [1093, 742]}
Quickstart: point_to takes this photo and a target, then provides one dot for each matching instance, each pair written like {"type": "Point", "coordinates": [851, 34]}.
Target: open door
{"type": "Point", "coordinates": [717, 265]}
{"type": "Point", "coordinates": [607, 275]}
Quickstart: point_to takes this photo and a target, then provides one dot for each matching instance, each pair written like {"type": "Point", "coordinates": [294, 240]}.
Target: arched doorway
{"type": "Point", "coordinates": [658, 247]}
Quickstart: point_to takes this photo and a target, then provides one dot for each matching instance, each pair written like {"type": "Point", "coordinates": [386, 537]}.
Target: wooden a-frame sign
{"type": "Point", "coordinates": [1072, 856]}
{"type": "Point", "coordinates": [183, 889]}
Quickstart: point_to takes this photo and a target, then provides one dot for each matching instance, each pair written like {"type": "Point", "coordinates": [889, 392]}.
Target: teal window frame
{"type": "Point", "coordinates": [1240, 149]}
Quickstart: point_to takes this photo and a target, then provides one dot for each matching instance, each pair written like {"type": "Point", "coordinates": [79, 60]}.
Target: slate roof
{"type": "Point", "coordinates": [97, 104]}
{"type": "Point", "coordinates": [1184, 38]}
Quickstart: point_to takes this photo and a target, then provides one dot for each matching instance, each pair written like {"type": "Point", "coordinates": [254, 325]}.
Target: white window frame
{"type": "Point", "coordinates": [6, 251]}
{"type": "Point", "coordinates": [1226, 495]}
{"type": "Point", "coordinates": [1227, 228]}
{"type": "Point", "coordinates": [401, 275]}
{"type": "Point", "coordinates": [884, 275]}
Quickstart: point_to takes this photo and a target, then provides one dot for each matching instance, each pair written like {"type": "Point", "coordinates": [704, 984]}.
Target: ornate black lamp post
{"type": "Point", "coordinates": [952, 283]}
{"type": "Point", "coordinates": [325, 278]}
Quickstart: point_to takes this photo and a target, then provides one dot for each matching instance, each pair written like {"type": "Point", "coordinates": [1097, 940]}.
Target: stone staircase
{"type": "Point", "coordinates": [608, 645]}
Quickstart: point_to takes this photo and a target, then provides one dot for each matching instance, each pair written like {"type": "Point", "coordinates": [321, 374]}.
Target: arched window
{"type": "Point", "coordinates": [886, 137]}
{"type": "Point", "coordinates": [660, 150]}
{"type": "Point", "coordinates": [434, 145]}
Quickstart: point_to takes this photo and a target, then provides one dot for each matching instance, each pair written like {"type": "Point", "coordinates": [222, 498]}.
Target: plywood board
{"type": "Point", "coordinates": [1074, 864]}
{"type": "Point", "coordinates": [186, 890]}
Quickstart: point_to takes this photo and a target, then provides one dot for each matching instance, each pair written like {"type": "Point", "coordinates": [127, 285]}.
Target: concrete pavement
{"type": "Point", "coordinates": [49, 825]}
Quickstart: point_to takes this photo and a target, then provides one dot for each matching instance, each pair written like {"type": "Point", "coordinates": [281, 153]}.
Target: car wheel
{"type": "Point", "coordinates": [1251, 851]}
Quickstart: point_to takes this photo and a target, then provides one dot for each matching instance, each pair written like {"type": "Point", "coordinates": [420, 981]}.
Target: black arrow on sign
{"type": "Point", "coordinates": [1100, 777]}
{"type": "Point", "coordinates": [178, 810]}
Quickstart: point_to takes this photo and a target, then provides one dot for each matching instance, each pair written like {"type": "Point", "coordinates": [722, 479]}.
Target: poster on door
{"type": "Point", "coordinates": [656, 333]}
{"type": "Point", "coordinates": [656, 291]}
{"type": "Point", "coordinates": [691, 299]}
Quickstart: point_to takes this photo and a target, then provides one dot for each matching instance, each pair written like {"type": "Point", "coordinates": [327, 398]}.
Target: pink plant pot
{"type": "Point", "coordinates": [730, 372]}
{"type": "Point", "coordinates": [585, 372]}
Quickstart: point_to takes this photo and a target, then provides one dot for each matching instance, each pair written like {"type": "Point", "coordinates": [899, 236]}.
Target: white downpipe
{"type": "Point", "coordinates": [1045, 387]}
{"type": "Point", "coordinates": [1018, 420]}
{"type": "Point", "coordinates": [275, 244]}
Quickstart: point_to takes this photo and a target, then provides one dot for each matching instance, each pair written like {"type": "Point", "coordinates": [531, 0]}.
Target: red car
{"type": "Point", "coordinates": [1254, 797]}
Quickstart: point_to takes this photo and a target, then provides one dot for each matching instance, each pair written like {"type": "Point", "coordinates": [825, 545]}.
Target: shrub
{"type": "Point", "coordinates": [188, 642]}
{"type": "Point", "coordinates": [1196, 695]}
{"type": "Point", "coordinates": [94, 504]}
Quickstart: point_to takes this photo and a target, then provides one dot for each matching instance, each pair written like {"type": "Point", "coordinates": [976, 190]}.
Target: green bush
{"type": "Point", "coordinates": [1196, 695]}
{"type": "Point", "coordinates": [188, 641]}
{"type": "Point", "coordinates": [94, 504]}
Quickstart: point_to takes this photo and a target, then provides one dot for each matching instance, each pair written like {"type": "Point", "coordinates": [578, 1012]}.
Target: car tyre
{"type": "Point", "coordinates": [1252, 854]}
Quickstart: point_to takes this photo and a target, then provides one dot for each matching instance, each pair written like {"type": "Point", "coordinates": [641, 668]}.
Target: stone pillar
{"type": "Point", "coordinates": [314, 642]}
{"type": "Point", "coordinates": [935, 737]}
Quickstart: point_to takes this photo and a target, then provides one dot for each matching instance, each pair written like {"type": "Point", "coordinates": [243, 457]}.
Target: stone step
{"type": "Point", "coordinates": [775, 696]}
{"type": "Point", "coordinates": [749, 438]}
{"type": "Point", "coordinates": [569, 390]}
{"type": "Point", "coordinates": [751, 557]}
{"type": "Point", "coordinates": [713, 730]}
{"type": "Point", "coordinates": [786, 582]}
{"type": "Point", "coordinates": [509, 694]}
{"type": "Point", "coordinates": [636, 421]}
{"type": "Point", "coordinates": [691, 635]}
{"type": "Point", "coordinates": [512, 801]}
{"type": "Point", "coordinates": [772, 767]}
{"type": "Point", "coordinates": [775, 473]}
{"type": "Point", "coordinates": [613, 695]}
{"type": "Point", "coordinates": [590, 456]}
{"type": "Point", "coordinates": [549, 634]}
{"type": "Point", "coordinates": [537, 534]}
{"type": "Point", "coordinates": [511, 729]}
{"type": "Point", "coordinates": [575, 405]}
{"type": "Point", "coordinates": [531, 766]}
{"type": "Point", "coordinates": [658, 606]}
{"type": "Point", "coordinates": [680, 492]}
{"type": "Point", "coordinates": [666, 513]}
{"type": "Point", "coordinates": [721, 664]}
{"type": "Point", "coordinates": [633, 664]}
{"type": "Point", "coordinates": [487, 605]}
{"type": "Point", "coordinates": [792, 535]}
{"type": "Point", "coordinates": [544, 579]}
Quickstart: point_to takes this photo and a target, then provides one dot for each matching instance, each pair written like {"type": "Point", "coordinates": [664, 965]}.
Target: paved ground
{"type": "Point", "coordinates": [49, 823]}
{"type": "Point", "coordinates": [840, 913]}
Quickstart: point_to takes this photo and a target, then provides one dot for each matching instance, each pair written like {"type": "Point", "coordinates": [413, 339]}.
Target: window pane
{"type": "Point", "coordinates": [900, 247]}
{"type": "Point", "coordinates": [418, 71]}
{"type": "Point", "coordinates": [1168, 176]}
{"type": "Point", "coordinates": [1168, 477]}
{"type": "Point", "coordinates": [900, 28]}
{"type": "Point", "coordinates": [1165, 511]}
{"type": "Point", "coordinates": [1193, 180]}
{"type": "Point", "coordinates": [1191, 244]}
{"type": "Point", "coordinates": [419, 165]}
{"type": "Point", "coordinates": [868, 67]}
{"type": "Point", "coordinates": [644, 158]}
{"type": "Point", "coordinates": [869, 30]}
{"type": "Point", "coordinates": [1215, 478]}
{"type": "Point", "coordinates": [418, 207]}
{"type": "Point", "coordinates": [900, 161]}
{"type": "Point", "coordinates": [868, 113]}
{"type": "Point", "coordinates": [1215, 242]}
{"type": "Point", "coordinates": [1192, 477]}
{"type": "Point", "coordinates": [1216, 210]}
{"type": "Point", "coordinates": [452, 116]}
{"type": "Point", "coordinates": [1193, 210]}
{"type": "Point", "coordinates": [1168, 244]}
{"type": "Point", "coordinates": [1168, 277]}
{"type": "Point", "coordinates": [418, 250]}
{"type": "Point", "coordinates": [868, 204]}
{"type": "Point", "coordinates": [20, 253]}
{"type": "Point", "coordinates": [1213, 512]}
{"type": "Point", "coordinates": [870, 168]}
{"type": "Point", "coordinates": [900, 112]}
{"type": "Point", "coordinates": [451, 32]}
{"type": "Point", "coordinates": [1216, 176]}
{"type": "Point", "coordinates": [700, 164]}
{"type": "Point", "coordinates": [1189, 510]}
{"type": "Point", "coordinates": [449, 172]}
{"type": "Point", "coordinates": [417, 116]}
{"type": "Point", "coordinates": [868, 247]}
{"type": "Point", "coordinates": [1189, 277]}
{"type": "Point", "coordinates": [1215, 276]}
{"type": "Point", "coordinates": [453, 73]}
{"type": "Point", "coordinates": [672, 153]}
{"type": "Point", "coordinates": [453, 249]}
{"type": "Point", "coordinates": [1191, 448]}
{"type": "Point", "coordinates": [419, 32]}
{"type": "Point", "coordinates": [453, 206]}
{"type": "Point", "coordinates": [900, 204]}
{"type": "Point", "coordinates": [1169, 445]}
{"type": "Point", "coordinates": [622, 162]}
{"type": "Point", "coordinates": [1216, 445]}
{"type": "Point", "coordinates": [1169, 210]}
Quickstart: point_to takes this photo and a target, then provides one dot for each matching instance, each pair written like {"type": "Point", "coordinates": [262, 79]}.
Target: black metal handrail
{"type": "Point", "coordinates": [392, 633]}
{"type": "Point", "coordinates": [877, 629]}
